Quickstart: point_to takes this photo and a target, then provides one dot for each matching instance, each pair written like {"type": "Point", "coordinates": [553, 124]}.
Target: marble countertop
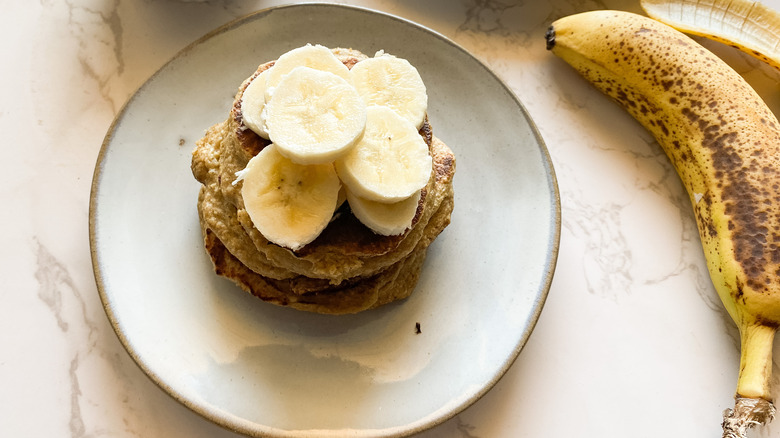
{"type": "Point", "coordinates": [632, 340]}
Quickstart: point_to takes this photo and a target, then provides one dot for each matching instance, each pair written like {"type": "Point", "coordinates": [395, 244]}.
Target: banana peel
{"type": "Point", "coordinates": [746, 25]}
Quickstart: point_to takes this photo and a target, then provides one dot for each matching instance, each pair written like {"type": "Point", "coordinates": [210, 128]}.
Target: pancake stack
{"type": "Point", "coordinates": [348, 267]}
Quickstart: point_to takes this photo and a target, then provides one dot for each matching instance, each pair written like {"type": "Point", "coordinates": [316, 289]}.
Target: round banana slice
{"type": "Point", "coordinates": [313, 56]}
{"type": "Point", "coordinates": [393, 82]}
{"type": "Point", "coordinates": [314, 116]}
{"type": "Point", "coordinates": [385, 219]}
{"type": "Point", "coordinates": [289, 203]}
{"type": "Point", "coordinates": [390, 161]}
{"type": "Point", "coordinates": [252, 104]}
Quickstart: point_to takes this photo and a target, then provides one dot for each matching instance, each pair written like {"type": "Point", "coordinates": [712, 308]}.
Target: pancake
{"type": "Point", "coordinates": [348, 268]}
{"type": "Point", "coordinates": [351, 296]}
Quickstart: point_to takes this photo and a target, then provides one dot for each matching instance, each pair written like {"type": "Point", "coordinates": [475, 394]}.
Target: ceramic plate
{"type": "Point", "coordinates": [263, 370]}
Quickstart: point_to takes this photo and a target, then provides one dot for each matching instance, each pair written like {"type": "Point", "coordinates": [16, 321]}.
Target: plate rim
{"type": "Point", "coordinates": [236, 424]}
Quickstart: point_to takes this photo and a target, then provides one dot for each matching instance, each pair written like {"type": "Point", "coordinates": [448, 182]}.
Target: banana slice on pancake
{"type": "Point", "coordinates": [393, 82]}
{"type": "Point", "coordinates": [289, 203]}
{"type": "Point", "coordinates": [253, 103]}
{"type": "Point", "coordinates": [390, 162]}
{"type": "Point", "coordinates": [314, 116]}
{"type": "Point", "coordinates": [385, 219]}
{"type": "Point", "coordinates": [261, 88]}
{"type": "Point", "coordinates": [313, 56]}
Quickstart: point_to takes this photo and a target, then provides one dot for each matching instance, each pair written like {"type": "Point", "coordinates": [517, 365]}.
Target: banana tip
{"type": "Point", "coordinates": [549, 36]}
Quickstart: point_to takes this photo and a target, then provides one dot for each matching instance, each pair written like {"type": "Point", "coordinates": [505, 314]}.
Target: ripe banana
{"type": "Point", "coordinates": [390, 162]}
{"type": "Point", "coordinates": [724, 143]}
{"type": "Point", "coordinates": [747, 25]}
{"type": "Point", "coordinates": [289, 203]}
{"type": "Point", "coordinates": [386, 80]}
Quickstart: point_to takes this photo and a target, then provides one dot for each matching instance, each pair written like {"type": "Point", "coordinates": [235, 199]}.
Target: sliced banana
{"type": "Point", "coordinates": [385, 219]}
{"type": "Point", "coordinates": [390, 162]}
{"type": "Point", "coordinates": [342, 198]}
{"type": "Point", "coordinates": [314, 116]}
{"type": "Point", "coordinates": [252, 104]}
{"type": "Point", "coordinates": [289, 203]}
{"type": "Point", "coordinates": [393, 82]}
{"type": "Point", "coordinates": [313, 56]}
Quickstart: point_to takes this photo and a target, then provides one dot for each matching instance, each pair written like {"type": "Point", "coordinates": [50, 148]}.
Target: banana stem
{"type": "Point", "coordinates": [747, 412]}
{"type": "Point", "coordinates": [753, 402]}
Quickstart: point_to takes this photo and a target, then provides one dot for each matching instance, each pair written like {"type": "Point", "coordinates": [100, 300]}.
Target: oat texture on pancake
{"type": "Point", "coordinates": [325, 185]}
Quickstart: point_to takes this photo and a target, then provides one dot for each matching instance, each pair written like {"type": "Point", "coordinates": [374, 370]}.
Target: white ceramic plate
{"type": "Point", "coordinates": [264, 370]}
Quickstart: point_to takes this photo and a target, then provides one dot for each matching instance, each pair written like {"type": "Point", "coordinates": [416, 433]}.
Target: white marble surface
{"type": "Point", "coordinates": [632, 340]}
